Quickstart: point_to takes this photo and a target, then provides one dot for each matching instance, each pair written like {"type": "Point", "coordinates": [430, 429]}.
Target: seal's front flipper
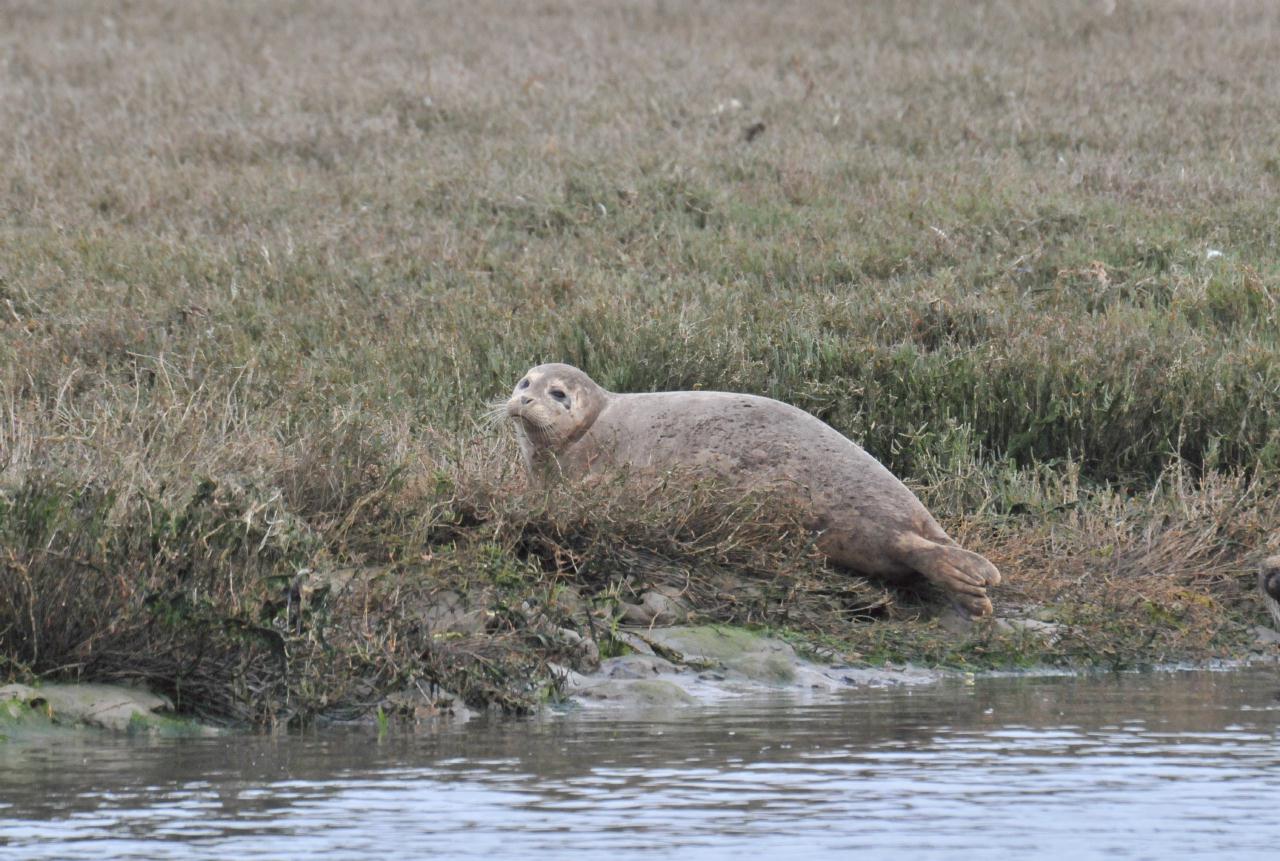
{"type": "Point", "coordinates": [965, 575]}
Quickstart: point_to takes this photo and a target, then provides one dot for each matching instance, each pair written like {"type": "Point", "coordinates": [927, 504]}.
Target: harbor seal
{"type": "Point", "coordinates": [1269, 581]}
{"type": "Point", "coordinates": [866, 520]}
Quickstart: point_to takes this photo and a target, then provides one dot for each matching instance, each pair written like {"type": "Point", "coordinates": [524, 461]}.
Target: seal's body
{"type": "Point", "coordinates": [866, 519]}
{"type": "Point", "coordinates": [1269, 581]}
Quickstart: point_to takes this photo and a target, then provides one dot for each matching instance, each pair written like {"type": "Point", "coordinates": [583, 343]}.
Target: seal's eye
{"type": "Point", "coordinates": [524, 384]}
{"type": "Point", "coordinates": [560, 396]}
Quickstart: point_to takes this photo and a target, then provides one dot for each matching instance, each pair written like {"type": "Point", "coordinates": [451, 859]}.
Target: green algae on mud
{"type": "Point", "coordinates": [53, 709]}
{"type": "Point", "coordinates": [734, 649]}
{"type": "Point", "coordinates": [19, 720]}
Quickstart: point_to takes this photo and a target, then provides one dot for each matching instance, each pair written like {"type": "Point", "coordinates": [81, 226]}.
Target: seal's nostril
{"type": "Point", "coordinates": [526, 400]}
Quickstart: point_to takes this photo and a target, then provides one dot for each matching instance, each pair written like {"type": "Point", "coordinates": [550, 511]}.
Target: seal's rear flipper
{"type": "Point", "coordinates": [965, 575]}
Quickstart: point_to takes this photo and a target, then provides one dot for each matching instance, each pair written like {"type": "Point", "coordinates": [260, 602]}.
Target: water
{"type": "Point", "coordinates": [1165, 765]}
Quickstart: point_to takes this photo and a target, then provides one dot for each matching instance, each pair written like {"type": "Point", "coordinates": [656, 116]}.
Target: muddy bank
{"type": "Point", "coordinates": [663, 668]}
{"type": "Point", "coordinates": [659, 668]}
{"type": "Point", "coordinates": [510, 601]}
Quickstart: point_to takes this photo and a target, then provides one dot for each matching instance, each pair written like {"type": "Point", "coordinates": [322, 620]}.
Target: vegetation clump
{"type": "Point", "coordinates": [252, 304]}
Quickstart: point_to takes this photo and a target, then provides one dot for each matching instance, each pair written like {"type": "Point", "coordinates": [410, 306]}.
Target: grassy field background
{"type": "Point", "coordinates": [261, 266]}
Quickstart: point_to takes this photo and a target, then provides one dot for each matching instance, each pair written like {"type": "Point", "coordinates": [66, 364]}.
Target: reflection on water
{"type": "Point", "coordinates": [1133, 766]}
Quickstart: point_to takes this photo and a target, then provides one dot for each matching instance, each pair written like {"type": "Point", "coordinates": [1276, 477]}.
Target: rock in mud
{"type": "Point", "coordinates": [112, 707]}
{"type": "Point", "coordinates": [455, 613]}
{"type": "Point", "coordinates": [660, 606]}
{"type": "Point", "coordinates": [711, 663]}
{"type": "Point", "coordinates": [426, 704]}
{"type": "Point", "coordinates": [1264, 636]}
{"type": "Point", "coordinates": [644, 693]}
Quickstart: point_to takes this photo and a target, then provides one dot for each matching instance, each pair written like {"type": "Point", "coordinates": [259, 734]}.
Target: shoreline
{"type": "Point", "coordinates": [665, 668]}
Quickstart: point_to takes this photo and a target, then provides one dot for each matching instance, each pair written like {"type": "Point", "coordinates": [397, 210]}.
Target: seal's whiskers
{"type": "Point", "coordinates": [495, 411]}
{"type": "Point", "coordinates": [545, 427]}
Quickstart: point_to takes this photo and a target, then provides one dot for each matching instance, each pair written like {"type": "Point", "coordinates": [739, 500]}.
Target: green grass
{"type": "Point", "coordinates": [260, 271]}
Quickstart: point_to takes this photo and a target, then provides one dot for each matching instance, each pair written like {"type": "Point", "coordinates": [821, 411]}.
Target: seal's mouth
{"type": "Point", "coordinates": [533, 424]}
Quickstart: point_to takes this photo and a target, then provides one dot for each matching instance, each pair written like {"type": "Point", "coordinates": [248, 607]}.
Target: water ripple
{"type": "Point", "coordinates": [1160, 766]}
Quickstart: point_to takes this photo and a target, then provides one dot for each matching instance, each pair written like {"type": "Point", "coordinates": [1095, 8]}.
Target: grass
{"type": "Point", "coordinates": [260, 270]}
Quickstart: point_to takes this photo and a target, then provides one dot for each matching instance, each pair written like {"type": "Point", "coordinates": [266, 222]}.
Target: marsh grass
{"type": "Point", "coordinates": [261, 269]}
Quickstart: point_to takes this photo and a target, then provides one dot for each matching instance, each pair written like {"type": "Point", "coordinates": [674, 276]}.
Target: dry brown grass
{"type": "Point", "coordinates": [1024, 252]}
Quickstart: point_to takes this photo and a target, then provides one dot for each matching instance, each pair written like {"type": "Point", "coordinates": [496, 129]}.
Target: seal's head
{"type": "Point", "coordinates": [1269, 580]}
{"type": "Point", "coordinates": [554, 405]}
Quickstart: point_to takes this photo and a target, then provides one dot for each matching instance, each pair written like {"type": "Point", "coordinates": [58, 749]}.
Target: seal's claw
{"type": "Point", "coordinates": [974, 606]}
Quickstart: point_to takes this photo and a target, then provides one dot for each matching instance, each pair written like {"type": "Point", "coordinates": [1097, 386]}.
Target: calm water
{"type": "Point", "coordinates": [1158, 766]}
